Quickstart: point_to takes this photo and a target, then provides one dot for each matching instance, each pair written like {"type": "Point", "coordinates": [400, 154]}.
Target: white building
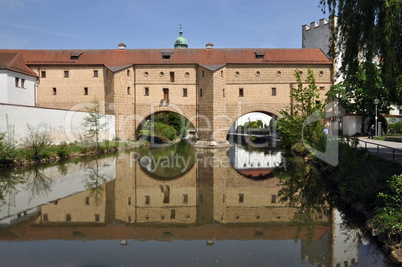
{"type": "Point", "coordinates": [17, 81]}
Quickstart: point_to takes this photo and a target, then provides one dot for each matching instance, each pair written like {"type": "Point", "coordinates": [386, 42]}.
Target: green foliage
{"type": "Point", "coordinates": [364, 30]}
{"type": "Point", "coordinates": [36, 141]}
{"type": "Point", "coordinates": [63, 150]}
{"type": "Point", "coordinates": [307, 103]}
{"type": "Point", "coordinates": [389, 217]}
{"type": "Point", "coordinates": [356, 93]}
{"type": "Point", "coordinates": [395, 128]}
{"type": "Point", "coordinates": [158, 129]}
{"type": "Point", "coordinates": [7, 151]}
{"type": "Point", "coordinates": [93, 122]}
{"type": "Point", "coordinates": [360, 175]}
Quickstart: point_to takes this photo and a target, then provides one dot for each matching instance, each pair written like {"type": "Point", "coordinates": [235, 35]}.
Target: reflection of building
{"type": "Point", "coordinates": [339, 247]}
{"type": "Point", "coordinates": [213, 203]}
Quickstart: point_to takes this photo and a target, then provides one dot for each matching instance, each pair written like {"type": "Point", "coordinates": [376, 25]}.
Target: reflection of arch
{"type": "Point", "coordinates": [167, 163]}
{"type": "Point", "coordinates": [263, 108]}
{"type": "Point", "coordinates": [160, 109]}
{"type": "Point", "coordinates": [165, 178]}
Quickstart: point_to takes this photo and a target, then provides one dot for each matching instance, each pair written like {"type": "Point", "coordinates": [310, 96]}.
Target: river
{"type": "Point", "coordinates": [178, 206]}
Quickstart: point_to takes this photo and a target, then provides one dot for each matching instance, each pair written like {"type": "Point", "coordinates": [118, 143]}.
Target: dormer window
{"type": "Point", "coordinates": [167, 54]}
{"type": "Point", "coordinates": [74, 55]}
{"type": "Point", "coordinates": [259, 54]}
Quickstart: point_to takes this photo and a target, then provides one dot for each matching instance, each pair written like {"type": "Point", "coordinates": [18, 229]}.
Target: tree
{"type": "Point", "coordinates": [364, 31]}
{"type": "Point", "coordinates": [354, 96]}
{"type": "Point", "coordinates": [94, 121]}
{"type": "Point", "coordinates": [307, 101]}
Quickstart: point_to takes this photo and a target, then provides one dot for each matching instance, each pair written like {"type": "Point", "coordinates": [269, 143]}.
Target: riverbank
{"type": "Point", "coordinates": [22, 157]}
{"type": "Point", "coordinates": [370, 186]}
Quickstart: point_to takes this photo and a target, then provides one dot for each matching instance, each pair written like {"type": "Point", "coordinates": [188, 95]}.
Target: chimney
{"type": "Point", "coordinates": [210, 46]}
{"type": "Point", "coordinates": [121, 46]}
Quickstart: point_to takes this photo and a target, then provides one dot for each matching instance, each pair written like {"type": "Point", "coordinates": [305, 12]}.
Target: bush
{"type": "Point", "coordinates": [389, 218]}
{"type": "Point", "coordinates": [395, 128]}
{"type": "Point", "coordinates": [63, 151]}
{"type": "Point", "coordinates": [36, 141]}
{"type": "Point", "coordinates": [8, 152]}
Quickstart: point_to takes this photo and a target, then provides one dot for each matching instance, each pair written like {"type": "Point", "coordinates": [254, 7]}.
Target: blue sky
{"type": "Point", "coordinates": [87, 24]}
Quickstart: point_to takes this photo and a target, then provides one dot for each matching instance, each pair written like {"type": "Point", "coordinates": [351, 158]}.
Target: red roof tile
{"type": "Point", "coordinates": [14, 61]}
{"type": "Point", "coordinates": [115, 57]}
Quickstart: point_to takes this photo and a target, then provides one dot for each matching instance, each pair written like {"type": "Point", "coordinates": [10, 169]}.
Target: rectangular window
{"type": "Point", "coordinates": [146, 91]}
{"type": "Point", "coordinates": [129, 201]}
{"type": "Point", "coordinates": [22, 83]}
{"type": "Point", "coordinates": [45, 217]}
{"type": "Point", "coordinates": [184, 92]}
{"type": "Point", "coordinates": [66, 74]}
{"type": "Point", "coordinates": [96, 74]}
{"type": "Point", "coordinates": [322, 88]}
{"type": "Point", "coordinates": [128, 72]}
{"type": "Point", "coordinates": [203, 73]}
{"type": "Point", "coordinates": [97, 217]}
{"type": "Point", "coordinates": [165, 56]}
{"type": "Point", "coordinates": [200, 92]}
{"type": "Point", "coordinates": [43, 74]}
{"type": "Point", "coordinates": [273, 198]}
{"type": "Point", "coordinates": [172, 213]}
{"type": "Point", "coordinates": [273, 91]}
{"type": "Point", "coordinates": [171, 76]}
{"type": "Point", "coordinates": [17, 82]}
{"type": "Point", "coordinates": [241, 92]}
{"type": "Point", "coordinates": [54, 91]}
{"type": "Point", "coordinates": [147, 200]}
{"type": "Point", "coordinates": [165, 93]}
{"type": "Point", "coordinates": [68, 217]}
{"type": "Point", "coordinates": [185, 199]}
{"type": "Point", "coordinates": [223, 92]}
{"type": "Point", "coordinates": [87, 201]}
{"type": "Point", "coordinates": [128, 91]}
{"type": "Point", "coordinates": [241, 198]}
{"type": "Point", "coordinates": [221, 73]}
{"type": "Point", "coordinates": [85, 90]}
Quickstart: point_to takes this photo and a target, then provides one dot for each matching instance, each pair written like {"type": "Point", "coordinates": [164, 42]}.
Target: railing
{"type": "Point", "coordinates": [378, 148]}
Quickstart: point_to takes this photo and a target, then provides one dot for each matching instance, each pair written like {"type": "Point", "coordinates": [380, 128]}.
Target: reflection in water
{"type": "Point", "coordinates": [94, 181]}
{"type": "Point", "coordinates": [210, 201]}
{"type": "Point", "coordinates": [38, 183]}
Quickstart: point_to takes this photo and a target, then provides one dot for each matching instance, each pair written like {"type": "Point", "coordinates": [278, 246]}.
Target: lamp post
{"type": "Point", "coordinates": [376, 101]}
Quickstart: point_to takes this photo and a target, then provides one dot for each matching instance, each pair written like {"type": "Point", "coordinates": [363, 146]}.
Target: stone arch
{"type": "Point", "coordinates": [159, 109]}
{"type": "Point", "coordinates": [263, 108]}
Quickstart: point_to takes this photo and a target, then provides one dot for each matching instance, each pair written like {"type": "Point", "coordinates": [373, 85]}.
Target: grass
{"type": "Point", "coordinates": [22, 156]}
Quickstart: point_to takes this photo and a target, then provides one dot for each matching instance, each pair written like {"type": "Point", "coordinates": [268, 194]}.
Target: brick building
{"type": "Point", "coordinates": [211, 87]}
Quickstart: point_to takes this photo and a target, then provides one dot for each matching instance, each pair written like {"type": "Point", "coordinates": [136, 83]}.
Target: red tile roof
{"type": "Point", "coordinates": [14, 61]}
{"type": "Point", "coordinates": [115, 57]}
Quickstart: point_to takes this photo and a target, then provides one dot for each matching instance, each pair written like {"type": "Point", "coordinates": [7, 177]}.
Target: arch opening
{"type": "Point", "coordinates": [164, 127]}
{"type": "Point", "coordinates": [255, 128]}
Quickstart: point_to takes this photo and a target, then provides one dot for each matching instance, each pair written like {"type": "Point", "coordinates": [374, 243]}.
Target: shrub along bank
{"type": "Point", "coordinates": [13, 156]}
{"type": "Point", "coordinates": [372, 186]}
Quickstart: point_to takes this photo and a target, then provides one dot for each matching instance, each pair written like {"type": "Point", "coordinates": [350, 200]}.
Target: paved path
{"type": "Point", "coordinates": [384, 149]}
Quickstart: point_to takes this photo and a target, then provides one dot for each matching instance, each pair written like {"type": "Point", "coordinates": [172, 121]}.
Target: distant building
{"type": "Point", "coordinates": [17, 80]}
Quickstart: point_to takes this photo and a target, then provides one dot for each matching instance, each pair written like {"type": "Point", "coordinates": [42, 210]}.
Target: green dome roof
{"type": "Point", "coordinates": [181, 42]}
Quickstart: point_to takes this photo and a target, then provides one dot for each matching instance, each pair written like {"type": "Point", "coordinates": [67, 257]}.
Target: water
{"type": "Point", "coordinates": [177, 206]}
